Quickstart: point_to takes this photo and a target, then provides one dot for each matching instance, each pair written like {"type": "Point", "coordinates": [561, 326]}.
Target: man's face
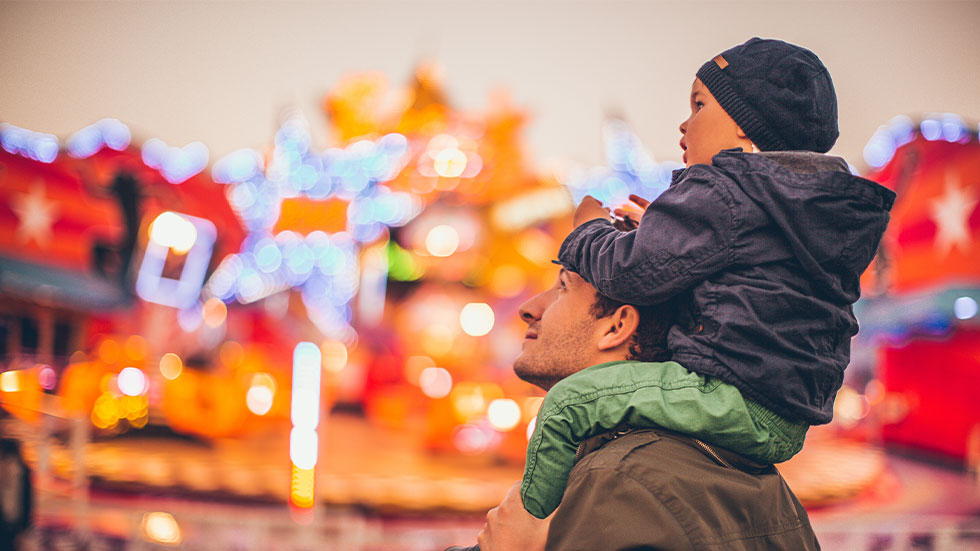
{"type": "Point", "coordinates": [709, 129]}
{"type": "Point", "coordinates": [561, 334]}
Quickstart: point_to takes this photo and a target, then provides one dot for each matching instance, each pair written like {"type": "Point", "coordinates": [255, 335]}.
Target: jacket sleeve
{"type": "Point", "coordinates": [606, 509]}
{"type": "Point", "coordinates": [684, 236]}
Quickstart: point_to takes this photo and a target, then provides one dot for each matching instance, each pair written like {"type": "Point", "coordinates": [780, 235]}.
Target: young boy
{"type": "Point", "coordinates": [762, 239]}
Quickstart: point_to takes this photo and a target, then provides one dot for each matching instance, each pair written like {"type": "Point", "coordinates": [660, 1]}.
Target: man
{"type": "Point", "coordinates": [636, 489]}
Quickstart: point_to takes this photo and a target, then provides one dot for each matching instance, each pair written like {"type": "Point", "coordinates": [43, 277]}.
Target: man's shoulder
{"type": "Point", "coordinates": [667, 481]}
{"type": "Point", "coordinates": [650, 451]}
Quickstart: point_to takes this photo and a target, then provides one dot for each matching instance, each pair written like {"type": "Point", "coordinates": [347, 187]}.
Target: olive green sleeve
{"type": "Point", "coordinates": [606, 509]}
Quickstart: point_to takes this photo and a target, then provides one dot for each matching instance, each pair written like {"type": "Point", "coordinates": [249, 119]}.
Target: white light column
{"type": "Point", "coordinates": [305, 415]}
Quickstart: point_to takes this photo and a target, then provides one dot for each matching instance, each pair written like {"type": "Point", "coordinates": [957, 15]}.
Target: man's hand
{"type": "Point", "coordinates": [589, 209]}
{"type": "Point", "coordinates": [510, 527]}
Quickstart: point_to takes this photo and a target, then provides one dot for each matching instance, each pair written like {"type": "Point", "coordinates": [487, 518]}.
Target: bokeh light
{"type": "Point", "coordinates": [161, 528]}
{"type": "Point", "coordinates": [442, 240]}
{"type": "Point", "coordinates": [47, 377]}
{"type": "Point", "coordinates": [334, 356]}
{"type": "Point", "coordinates": [414, 365]}
{"type": "Point", "coordinates": [10, 381]}
{"type": "Point", "coordinates": [450, 163]}
{"type": "Point", "coordinates": [507, 281]}
{"type": "Point", "coordinates": [301, 487]}
{"type": "Point", "coordinates": [435, 382]}
{"type": "Point", "coordinates": [172, 230]}
{"type": "Point", "coordinates": [261, 394]}
{"type": "Point", "coordinates": [135, 347]}
{"type": "Point", "coordinates": [171, 366]}
{"type": "Point", "coordinates": [504, 414]}
{"type": "Point", "coordinates": [965, 308]}
{"type": "Point", "coordinates": [132, 381]}
{"type": "Point", "coordinates": [109, 351]}
{"type": "Point", "coordinates": [476, 319]}
{"type": "Point", "coordinates": [214, 312]}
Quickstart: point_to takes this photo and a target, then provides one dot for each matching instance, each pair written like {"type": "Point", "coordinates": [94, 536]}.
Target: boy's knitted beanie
{"type": "Point", "coordinates": [780, 94]}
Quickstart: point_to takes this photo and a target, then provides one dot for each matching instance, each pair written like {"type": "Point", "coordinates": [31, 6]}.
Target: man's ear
{"type": "Point", "coordinates": [618, 328]}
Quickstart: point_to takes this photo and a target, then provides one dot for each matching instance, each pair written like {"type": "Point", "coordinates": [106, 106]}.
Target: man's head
{"type": "Point", "coordinates": [768, 93]}
{"type": "Point", "coordinates": [571, 327]}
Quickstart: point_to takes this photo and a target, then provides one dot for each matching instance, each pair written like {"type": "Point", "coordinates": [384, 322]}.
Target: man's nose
{"type": "Point", "coordinates": [526, 313]}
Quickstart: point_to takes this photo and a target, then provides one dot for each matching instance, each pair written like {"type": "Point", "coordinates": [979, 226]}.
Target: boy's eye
{"type": "Point", "coordinates": [699, 105]}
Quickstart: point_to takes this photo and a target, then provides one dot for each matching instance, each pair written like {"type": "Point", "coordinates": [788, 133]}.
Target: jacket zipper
{"type": "Point", "coordinates": [712, 453]}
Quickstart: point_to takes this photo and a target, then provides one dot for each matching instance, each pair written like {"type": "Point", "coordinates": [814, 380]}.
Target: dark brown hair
{"type": "Point", "coordinates": [649, 343]}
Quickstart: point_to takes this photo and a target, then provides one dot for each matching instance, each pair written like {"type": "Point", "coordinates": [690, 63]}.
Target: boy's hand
{"type": "Point", "coordinates": [510, 527]}
{"type": "Point", "coordinates": [589, 209]}
{"type": "Point", "coordinates": [629, 218]}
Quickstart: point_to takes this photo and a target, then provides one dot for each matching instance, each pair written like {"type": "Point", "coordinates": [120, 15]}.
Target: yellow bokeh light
{"type": "Point", "coordinates": [231, 354]}
{"type": "Point", "coordinates": [536, 246]}
{"type": "Point", "coordinates": [435, 382]}
{"type": "Point", "coordinates": [173, 231]}
{"type": "Point", "coordinates": [449, 163]}
{"type": "Point", "coordinates": [507, 281]}
{"type": "Point", "coordinates": [171, 366]}
{"type": "Point", "coordinates": [334, 356]}
{"type": "Point", "coordinates": [442, 240]}
{"type": "Point", "coordinates": [476, 319]}
{"type": "Point", "coordinates": [10, 381]}
{"type": "Point", "coordinates": [135, 347]}
{"type": "Point", "coordinates": [504, 414]}
{"type": "Point", "coordinates": [161, 527]}
{"type": "Point", "coordinates": [414, 366]}
{"type": "Point", "coordinates": [470, 400]}
{"type": "Point", "coordinates": [301, 487]}
{"type": "Point", "coordinates": [437, 340]}
{"type": "Point", "coordinates": [214, 312]}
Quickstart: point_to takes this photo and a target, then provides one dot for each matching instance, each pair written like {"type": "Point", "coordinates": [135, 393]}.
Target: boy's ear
{"type": "Point", "coordinates": [618, 328]}
{"type": "Point", "coordinates": [740, 133]}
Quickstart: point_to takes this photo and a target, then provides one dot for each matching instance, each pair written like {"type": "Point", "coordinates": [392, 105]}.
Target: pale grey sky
{"type": "Point", "coordinates": [222, 72]}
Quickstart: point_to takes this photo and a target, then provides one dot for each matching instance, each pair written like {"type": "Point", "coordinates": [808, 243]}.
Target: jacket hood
{"type": "Point", "coordinates": [832, 220]}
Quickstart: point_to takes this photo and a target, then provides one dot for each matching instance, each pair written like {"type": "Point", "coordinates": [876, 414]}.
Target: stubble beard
{"type": "Point", "coordinates": [552, 358]}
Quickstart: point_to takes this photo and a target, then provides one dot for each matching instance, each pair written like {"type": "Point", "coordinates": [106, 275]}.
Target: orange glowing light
{"type": "Point", "coordinates": [135, 347]}
{"type": "Point", "coordinates": [215, 312]}
{"type": "Point", "coordinates": [109, 351]}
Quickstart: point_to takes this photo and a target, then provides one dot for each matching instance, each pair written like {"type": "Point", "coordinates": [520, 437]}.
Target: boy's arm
{"type": "Point", "coordinates": [684, 236]}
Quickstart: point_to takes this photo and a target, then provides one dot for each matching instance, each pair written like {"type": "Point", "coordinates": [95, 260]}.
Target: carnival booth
{"type": "Point", "coordinates": [919, 314]}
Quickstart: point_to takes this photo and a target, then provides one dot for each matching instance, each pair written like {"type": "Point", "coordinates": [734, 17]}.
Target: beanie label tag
{"type": "Point", "coordinates": [720, 61]}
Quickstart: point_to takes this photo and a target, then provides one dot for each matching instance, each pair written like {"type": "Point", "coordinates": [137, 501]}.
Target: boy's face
{"type": "Point", "coordinates": [709, 129]}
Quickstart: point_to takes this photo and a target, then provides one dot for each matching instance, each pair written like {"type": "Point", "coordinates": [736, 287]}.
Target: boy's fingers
{"type": "Point", "coordinates": [643, 203]}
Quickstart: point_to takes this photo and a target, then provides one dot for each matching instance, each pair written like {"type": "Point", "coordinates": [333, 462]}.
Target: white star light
{"type": "Point", "coordinates": [950, 212]}
{"type": "Point", "coordinates": [35, 216]}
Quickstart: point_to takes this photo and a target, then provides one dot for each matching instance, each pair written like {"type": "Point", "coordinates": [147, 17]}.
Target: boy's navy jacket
{"type": "Point", "coordinates": [766, 251]}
